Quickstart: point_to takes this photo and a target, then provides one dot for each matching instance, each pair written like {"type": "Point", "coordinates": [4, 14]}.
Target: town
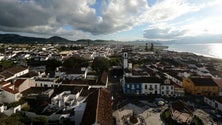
{"type": "Point", "coordinates": [107, 84]}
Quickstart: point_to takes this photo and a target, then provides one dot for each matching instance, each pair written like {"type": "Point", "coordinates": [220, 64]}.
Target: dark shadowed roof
{"type": "Point", "coordinates": [143, 80]}
{"type": "Point", "coordinates": [16, 69]}
{"type": "Point", "coordinates": [203, 81]}
{"type": "Point", "coordinates": [6, 74]}
{"type": "Point", "coordinates": [89, 116]}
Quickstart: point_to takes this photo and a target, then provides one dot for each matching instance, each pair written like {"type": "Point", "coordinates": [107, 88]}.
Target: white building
{"type": "Point", "coordinates": [176, 79]}
{"type": "Point", "coordinates": [47, 82]}
{"type": "Point", "coordinates": [216, 103]}
{"type": "Point", "coordinates": [80, 73]}
{"type": "Point", "coordinates": [125, 60]}
{"type": "Point", "coordinates": [1, 108]}
{"type": "Point", "coordinates": [151, 88]}
{"type": "Point", "coordinates": [14, 72]}
{"type": "Point", "coordinates": [12, 92]}
{"type": "Point", "coordinates": [167, 89]}
{"type": "Point", "coordinates": [66, 100]}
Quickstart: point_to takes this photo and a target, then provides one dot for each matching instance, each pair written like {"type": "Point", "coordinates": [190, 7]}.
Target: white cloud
{"type": "Point", "coordinates": [168, 10]}
{"type": "Point", "coordinates": [173, 19]}
{"type": "Point", "coordinates": [41, 15]}
{"type": "Point", "coordinates": [49, 16]}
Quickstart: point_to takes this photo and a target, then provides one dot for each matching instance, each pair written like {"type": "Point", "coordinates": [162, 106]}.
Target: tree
{"type": "Point", "coordinates": [100, 64]}
{"type": "Point", "coordinates": [114, 61]}
{"type": "Point", "coordinates": [6, 64]}
{"type": "Point", "coordinates": [51, 65]}
{"type": "Point", "coordinates": [75, 62]}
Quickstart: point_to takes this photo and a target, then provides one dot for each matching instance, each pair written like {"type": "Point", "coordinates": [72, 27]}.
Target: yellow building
{"type": "Point", "coordinates": [201, 86]}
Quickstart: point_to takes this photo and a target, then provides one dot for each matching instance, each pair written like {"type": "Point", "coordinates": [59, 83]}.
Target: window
{"type": "Point", "coordinates": [151, 86]}
{"type": "Point", "coordinates": [162, 87]}
{"type": "Point", "coordinates": [167, 87]}
{"type": "Point", "coordinates": [128, 86]}
{"type": "Point", "coordinates": [132, 87]}
{"type": "Point", "coordinates": [171, 87]}
{"type": "Point", "coordinates": [155, 86]}
{"type": "Point", "coordinates": [155, 92]}
{"type": "Point", "coordinates": [162, 92]}
{"type": "Point", "coordinates": [145, 86]}
{"type": "Point", "coordinates": [138, 86]}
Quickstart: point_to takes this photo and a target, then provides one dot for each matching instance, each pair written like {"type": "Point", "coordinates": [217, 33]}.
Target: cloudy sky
{"type": "Point", "coordinates": [123, 20]}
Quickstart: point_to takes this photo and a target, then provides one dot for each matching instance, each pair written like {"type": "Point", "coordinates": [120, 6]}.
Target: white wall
{"type": "Point", "coordinates": [2, 108]}
{"type": "Point", "coordinates": [167, 90]}
{"type": "Point", "coordinates": [25, 85]}
{"type": "Point", "coordinates": [219, 105]}
{"type": "Point", "coordinates": [148, 91]}
{"type": "Point", "coordinates": [42, 83]}
{"type": "Point", "coordinates": [18, 74]}
{"type": "Point", "coordinates": [209, 102]}
{"type": "Point", "coordinates": [21, 73]}
{"type": "Point", "coordinates": [10, 97]}
{"type": "Point", "coordinates": [12, 110]}
{"type": "Point", "coordinates": [213, 103]}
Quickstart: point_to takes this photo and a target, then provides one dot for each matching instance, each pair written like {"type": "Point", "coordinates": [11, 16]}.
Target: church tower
{"type": "Point", "coordinates": [125, 60]}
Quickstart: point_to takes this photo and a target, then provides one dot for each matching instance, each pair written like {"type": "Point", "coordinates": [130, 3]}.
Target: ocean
{"type": "Point", "coordinates": [207, 49]}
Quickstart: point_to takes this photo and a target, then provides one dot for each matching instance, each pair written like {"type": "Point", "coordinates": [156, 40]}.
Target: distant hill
{"type": "Point", "coordinates": [58, 39]}
{"type": "Point", "coordinates": [13, 38]}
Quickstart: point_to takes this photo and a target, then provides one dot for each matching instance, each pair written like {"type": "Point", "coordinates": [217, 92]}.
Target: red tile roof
{"type": "Point", "coordinates": [218, 82]}
{"type": "Point", "coordinates": [104, 108]}
{"type": "Point", "coordinates": [18, 82]}
{"type": "Point", "coordinates": [8, 89]}
{"type": "Point", "coordinates": [98, 108]}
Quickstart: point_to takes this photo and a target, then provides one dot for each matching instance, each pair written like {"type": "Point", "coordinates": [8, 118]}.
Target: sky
{"type": "Point", "coordinates": [122, 20]}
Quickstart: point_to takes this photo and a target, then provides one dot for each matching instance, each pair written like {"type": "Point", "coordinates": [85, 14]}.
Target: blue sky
{"type": "Point", "coordinates": [123, 20]}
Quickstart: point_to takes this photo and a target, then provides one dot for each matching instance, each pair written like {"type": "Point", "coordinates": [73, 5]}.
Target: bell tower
{"type": "Point", "coordinates": [125, 60]}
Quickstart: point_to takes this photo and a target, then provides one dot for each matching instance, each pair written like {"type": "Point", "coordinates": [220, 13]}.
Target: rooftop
{"type": "Point", "coordinates": [104, 108]}
{"type": "Point", "coordinates": [16, 69]}
{"type": "Point", "coordinates": [9, 88]}
{"type": "Point", "coordinates": [143, 80]}
{"type": "Point", "coordinates": [18, 82]}
{"type": "Point", "coordinates": [98, 108]}
{"type": "Point", "coordinates": [203, 81]}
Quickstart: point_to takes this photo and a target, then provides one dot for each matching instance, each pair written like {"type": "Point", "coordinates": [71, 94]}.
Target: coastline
{"type": "Point", "coordinates": [206, 50]}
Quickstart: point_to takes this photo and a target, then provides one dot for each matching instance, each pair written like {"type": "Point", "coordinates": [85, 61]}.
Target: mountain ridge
{"type": "Point", "coordinates": [15, 38]}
